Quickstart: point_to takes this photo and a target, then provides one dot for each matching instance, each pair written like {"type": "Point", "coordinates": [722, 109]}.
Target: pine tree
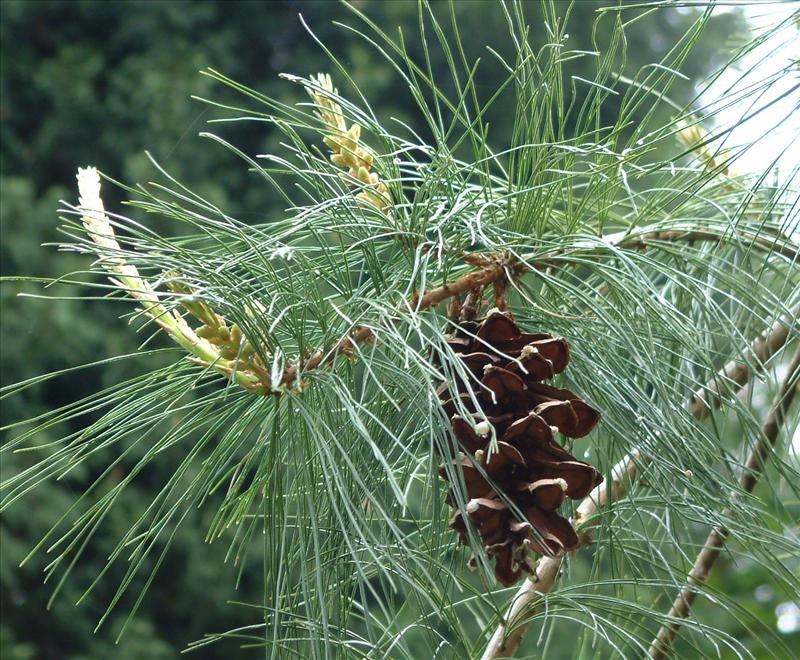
{"type": "Point", "coordinates": [352, 378]}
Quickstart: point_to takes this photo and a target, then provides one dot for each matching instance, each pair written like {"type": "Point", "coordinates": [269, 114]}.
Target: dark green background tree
{"type": "Point", "coordinates": [94, 82]}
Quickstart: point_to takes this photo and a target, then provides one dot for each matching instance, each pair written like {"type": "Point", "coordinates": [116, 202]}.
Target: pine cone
{"type": "Point", "coordinates": [530, 469]}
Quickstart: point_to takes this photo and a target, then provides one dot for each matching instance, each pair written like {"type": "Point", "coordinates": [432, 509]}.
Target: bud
{"type": "Point", "coordinates": [236, 335]}
{"type": "Point", "coordinates": [354, 133]}
{"type": "Point", "coordinates": [205, 332]}
{"type": "Point", "coordinates": [363, 175]}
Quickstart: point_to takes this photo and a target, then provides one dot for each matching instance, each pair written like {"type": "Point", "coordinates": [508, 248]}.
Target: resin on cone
{"type": "Point", "coordinates": [514, 493]}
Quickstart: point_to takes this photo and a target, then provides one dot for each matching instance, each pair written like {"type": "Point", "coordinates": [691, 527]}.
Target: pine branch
{"type": "Point", "coordinates": [211, 344]}
{"type": "Point", "coordinates": [490, 274]}
{"type": "Point", "coordinates": [754, 468]}
{"type": "Point", "coordinates": [509, 634]}
{"type": "Point", "coordinates": [497, 273]}
{"type": "Point", "coordinates": [641, 238]}
{"type": "Point", "coordinates": [226, 349]}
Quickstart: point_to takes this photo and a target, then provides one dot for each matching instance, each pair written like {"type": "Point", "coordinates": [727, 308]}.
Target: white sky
{"type": "Point", "coordinates": [777, 126]}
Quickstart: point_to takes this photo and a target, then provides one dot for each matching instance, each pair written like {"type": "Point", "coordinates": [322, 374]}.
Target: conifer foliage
{"type": "Point", "coordinates": [325, 364]}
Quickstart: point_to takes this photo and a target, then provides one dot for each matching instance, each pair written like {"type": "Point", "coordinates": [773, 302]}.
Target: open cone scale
{"type": "Point", "coordinates": [529, 468]}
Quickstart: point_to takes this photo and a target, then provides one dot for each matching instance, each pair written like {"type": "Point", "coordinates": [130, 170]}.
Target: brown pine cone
{"type": "Point", "coordinates": [531, 470]}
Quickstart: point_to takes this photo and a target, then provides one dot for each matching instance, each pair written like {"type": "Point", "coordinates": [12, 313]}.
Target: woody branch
{"type": "Point", "coordinates": [512, 628]}
{"type": "Point", "coordinates": [713, 545]}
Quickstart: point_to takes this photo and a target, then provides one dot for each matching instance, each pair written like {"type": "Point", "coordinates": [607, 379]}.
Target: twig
{"type": "Point", "coordinates": [716, 539]}
{"type": "Point", "coordinates": [640, 241]}
{"type": "Point", "coordinates": [507, 637]}
{"type": "Point", "coordinates": [737, 372]}
{"type": "Point", "coordinates": [250, 376]}
{"type": "Point", "coordinates": [496, 273]}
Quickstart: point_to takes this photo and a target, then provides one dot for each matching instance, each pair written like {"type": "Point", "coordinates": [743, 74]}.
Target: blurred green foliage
{"type": "Point", "coordinates": [98, 83]}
